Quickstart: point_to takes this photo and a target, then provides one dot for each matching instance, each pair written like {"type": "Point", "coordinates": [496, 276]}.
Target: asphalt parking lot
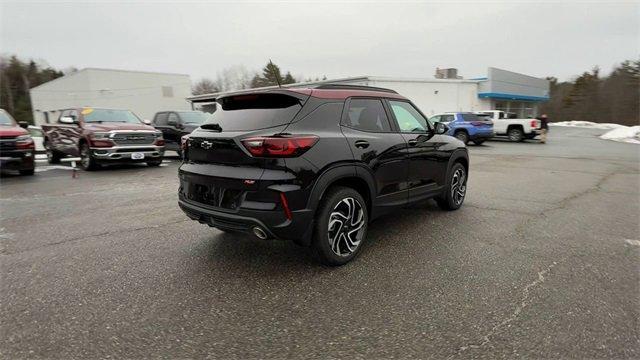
{"type": "Point", "coordinates": [542, 261]}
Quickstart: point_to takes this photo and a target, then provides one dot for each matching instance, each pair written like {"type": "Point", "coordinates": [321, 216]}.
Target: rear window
{"type": "Point", "coordinates": [255, 111]}
{"type": "Point", "coordinates": [470, 117]}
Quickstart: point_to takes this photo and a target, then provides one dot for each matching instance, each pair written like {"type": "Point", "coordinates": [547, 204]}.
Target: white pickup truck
{"type": "Point", "coordinates": [504, 124]}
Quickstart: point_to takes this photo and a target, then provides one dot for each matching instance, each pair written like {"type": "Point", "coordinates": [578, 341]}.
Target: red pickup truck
{"type": "Point", "coordinates": [17, 149]}
{"type": "Point", "coordinates": [102, 136]}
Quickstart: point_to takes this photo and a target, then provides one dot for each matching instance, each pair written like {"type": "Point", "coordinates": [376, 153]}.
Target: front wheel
{"type": "Point", "coordinates": [462, 136]}
{"type": "Point", "coordinates": [453, 195]}
{"type": "Point", "coordinates": [87, 162]}
{"type": "Point", "coordinates": [341, 226]}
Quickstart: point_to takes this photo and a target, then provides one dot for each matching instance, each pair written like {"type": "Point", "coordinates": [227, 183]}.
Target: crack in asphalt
{"type": "Point", "coordinates": [524, 302]}
{"type": "Point", "coordinates": [113, 232]}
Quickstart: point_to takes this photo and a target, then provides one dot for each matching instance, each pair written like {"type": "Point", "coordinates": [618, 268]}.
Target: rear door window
{"type": "Point", "coordinates": [367, 115]}
{"type": "Point", "coordinates": [447, 118]}
{"type": "Point", "coordinates": [470, 117]}
{"type": "Point", "coordinates": [161, 119]}
{"type": "Point", "coordinates": [255, 111]}
{"type": "Point", "coordinates": [173, 119]}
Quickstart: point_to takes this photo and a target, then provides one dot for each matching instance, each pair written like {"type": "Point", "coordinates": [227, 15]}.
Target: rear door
{"type": "Point", "coordinates": [160, 123]}
{"type": "Point", "coordinates": [173, 129]}
{"type": "Point", "coordinates": [366, 125]}
{"type": "Point", "coordinates": [426, 164]}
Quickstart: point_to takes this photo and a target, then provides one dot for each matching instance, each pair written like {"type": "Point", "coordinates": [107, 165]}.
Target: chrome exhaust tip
{"type": "Point", "coordinates": [259, 233]}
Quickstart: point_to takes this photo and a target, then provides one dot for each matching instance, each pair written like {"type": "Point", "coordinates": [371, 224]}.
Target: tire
{"type": "Point", "coordinates": [154, 163]}
{"type": "Point", "coordinates": [87, 162]}
{"type": "Point", "coordinates": [28, 172]}
{"type": "Point", "coordinates": [53, 157]}
{"type": "Point", "coordinates": [462, 136]}
{"type": "Point", "coordinates": [515, 134]}
{"type": "Point", "coordinates": [453, 196]}
{"type": "Point", "coordinates": [478, 142]}
{"type": "Point", "coordinates": [340, 206]}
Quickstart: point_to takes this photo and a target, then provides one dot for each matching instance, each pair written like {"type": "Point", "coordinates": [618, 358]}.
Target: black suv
{"type": "Point", "coordinates": [175, 124]}
{"type": "Point", "coordinates": [316, 165]}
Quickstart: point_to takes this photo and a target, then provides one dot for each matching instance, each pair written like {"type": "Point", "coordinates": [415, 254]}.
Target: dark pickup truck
{"type": "Point", "coordinates": [17, 149]}
{"type": "Point", "coordinates": [102, 136]}
{"type": "Point", "coordinates": [175, 124]}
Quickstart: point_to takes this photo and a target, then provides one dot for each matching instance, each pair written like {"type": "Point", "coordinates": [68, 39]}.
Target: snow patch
{"type": "Point", "coordinates": [628, 134]}
{"type": "Point", "coordinates": [617, 132]}
{"type": "Point", "coordinates": [587, 124]}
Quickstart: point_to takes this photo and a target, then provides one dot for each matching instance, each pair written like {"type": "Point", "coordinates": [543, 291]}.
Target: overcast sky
{"type": "Point", "coordinates": [336, 39]}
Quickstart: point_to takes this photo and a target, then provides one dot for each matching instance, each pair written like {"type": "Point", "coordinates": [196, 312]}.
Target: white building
{"type": "Point", "coordinates": [499, 90]}
{"type": "Point", "coordinates": [142, 92]}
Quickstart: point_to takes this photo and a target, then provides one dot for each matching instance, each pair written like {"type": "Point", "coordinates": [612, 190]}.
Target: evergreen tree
{"type": "Point", "coordinates": [271, 76]}
{"type": "Point", "coordinates": [16, 78]}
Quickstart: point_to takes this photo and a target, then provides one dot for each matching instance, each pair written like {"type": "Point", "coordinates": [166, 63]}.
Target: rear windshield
{"type": "Point", "coordinates": [470, 117]}
{"type": "Point", "coordinates": [255, 111]}
{"type": "Point", "coordinates": [109, 115]}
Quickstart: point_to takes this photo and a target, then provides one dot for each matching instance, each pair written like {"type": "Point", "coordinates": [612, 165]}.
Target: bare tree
{"type": "Point", "coordinates": [234, 78]}
{"type": "Point", "coordinates": [205, 86]}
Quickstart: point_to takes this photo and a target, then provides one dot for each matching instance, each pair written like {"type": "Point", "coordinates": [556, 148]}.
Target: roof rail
{"type": "Point", "coordinates": [353, 87]}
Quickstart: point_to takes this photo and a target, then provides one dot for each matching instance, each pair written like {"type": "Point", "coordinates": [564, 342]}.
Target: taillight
{"type": "Point", "coordinates": [534, 123]}
{"type": "Point", "coordinates": [289, 146]}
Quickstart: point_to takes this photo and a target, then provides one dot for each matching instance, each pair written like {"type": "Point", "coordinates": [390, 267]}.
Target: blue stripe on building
{"type": "Point", "coordinates": [504, 96]}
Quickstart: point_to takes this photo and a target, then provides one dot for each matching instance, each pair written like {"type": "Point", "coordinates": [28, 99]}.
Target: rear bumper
{"type": "Point", "coordinates": [17, 160]}
{"type": "Point", "coordinates": [125, 153]}
{"type": "Point", "coordinates": [273, 222]}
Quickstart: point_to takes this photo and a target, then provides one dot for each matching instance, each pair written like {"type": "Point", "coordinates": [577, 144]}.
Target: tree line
{"type": "Point", "coordinates": [16, 78]}
{"type": "Point", "coordinates": [592, 97]}
{"type": "Point", "coordinates": [239, 78]}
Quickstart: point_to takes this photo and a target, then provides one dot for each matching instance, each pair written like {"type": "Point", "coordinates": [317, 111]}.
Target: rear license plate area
{"type": "Point", "coordinates": [210, 194]}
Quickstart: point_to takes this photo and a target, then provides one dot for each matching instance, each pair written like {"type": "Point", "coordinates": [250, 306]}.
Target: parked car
{"type": "Point", "coordinates": [506, 124]}
{"type": "Point", "coordinates": [38, 138]}
{"type": "Point", "coordinates": [466, 126]}
{"type": "Point", "coordinates": [102, 136]}
{"type": "Point", "coordinates": [316, 165]}
{"type": "Point", "coordinates": [17, 149]}
{"type": "Point", "coordinates": [175, 124]}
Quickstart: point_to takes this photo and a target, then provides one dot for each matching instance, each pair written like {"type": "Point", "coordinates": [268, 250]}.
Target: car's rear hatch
{"type": "Point", "coordinates": [218, 170]}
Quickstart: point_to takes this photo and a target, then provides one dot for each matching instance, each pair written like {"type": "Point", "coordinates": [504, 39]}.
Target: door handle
{"type": "Point", "coordinates": [362, 144]}
{"type": "Point", "coordinates": [413, 142]}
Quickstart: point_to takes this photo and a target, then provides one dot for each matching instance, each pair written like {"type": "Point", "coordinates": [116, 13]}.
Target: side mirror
{"type": "Point", "coordinates": [441, 128]}
{"type": "Point", "coordinates": [146, 121]}
{"type": "Point", "coordinates": [23, 124]}
{"type": "Point", "coordinates": [172, 123]}
{"type": "Point", "coordinates": [67, 120]}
